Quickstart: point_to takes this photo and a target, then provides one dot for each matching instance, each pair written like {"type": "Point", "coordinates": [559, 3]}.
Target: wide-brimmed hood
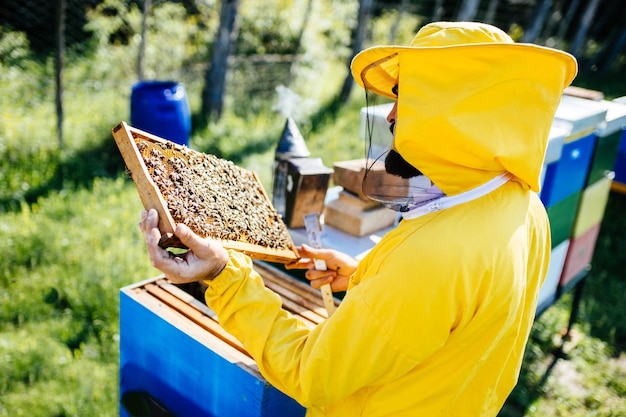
{"type": "Point", "coordinates": [472, 104]}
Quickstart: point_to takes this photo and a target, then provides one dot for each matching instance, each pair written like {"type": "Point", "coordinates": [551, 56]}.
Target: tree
{"type": "Point", "coordinates": [468, 10]}
{"type": "Point", "coordinates": [305, 20]}
{"type": "Point", "coordinates": [492, 8]}
{"type": "Point", "coordinates": [402, 12]}
{"type": "Point", "coordinates": [58, 68]}
{"type": "Point", "coordinates": [614, 43]}
{"type": "Point", "coordinates": [583, 28]}
{"type": "Point", "coordinates": [147, 4]}
{"type": "Point", "coordinates": [536, 23]}
{"type": "Point", "coordinates": [438, 10]}
{"type": "Point", "coordinates": [567, 19]}
{"type": "Point", "coordinates": [358, 38]}
{"type": "Point", "coordinates": [215, 79]}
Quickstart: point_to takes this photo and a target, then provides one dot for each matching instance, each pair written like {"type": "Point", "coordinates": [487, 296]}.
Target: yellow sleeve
{"type": "Point", "coordinates": [315, 367]}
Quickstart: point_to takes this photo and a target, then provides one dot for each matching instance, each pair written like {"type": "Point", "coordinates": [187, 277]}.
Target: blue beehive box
{"type": "Point", "coordinates": [580, 118]}
{"type": "Point", "coordinates": [620, 162]}
{"type": "Point", "coordinates": [554, 149]}
{"type": "Point", "coordinates": [171, 349]}
{"type": "Point", "coordinates": [620, 167]}
{"type": "Point", "coordinates": [568, 175]}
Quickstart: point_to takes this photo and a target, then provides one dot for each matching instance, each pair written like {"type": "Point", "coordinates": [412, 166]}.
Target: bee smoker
{"type": "Point", "coordinates": [300, 182]}
{"type": "Point", "coordinates": [291, 145]}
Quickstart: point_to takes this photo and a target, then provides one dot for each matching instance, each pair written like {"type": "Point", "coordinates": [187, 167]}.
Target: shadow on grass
{"type": "Point", "coordinates": [526, 393]}
{"type": "Point", "coordinates": [76, 170]}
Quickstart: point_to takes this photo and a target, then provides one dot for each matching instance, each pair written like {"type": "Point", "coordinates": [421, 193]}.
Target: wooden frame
{"type": "Point", "coordinates": [152, 198]}
{"type": "Point", "coordinates": [298, 298]}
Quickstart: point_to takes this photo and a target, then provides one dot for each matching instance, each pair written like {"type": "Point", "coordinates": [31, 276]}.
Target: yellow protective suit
{"type": "Point", "coordinates": [437, 315]}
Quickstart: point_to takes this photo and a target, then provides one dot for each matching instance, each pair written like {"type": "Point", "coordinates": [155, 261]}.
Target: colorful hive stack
{"type": "Point", "coordinates": [595, 195]}
{"type": "Point", "coordinates": [563, 184]}
{"type": "Point", "coordinates": [576, 188]}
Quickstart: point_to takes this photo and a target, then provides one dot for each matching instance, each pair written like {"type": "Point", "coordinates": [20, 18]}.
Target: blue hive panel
{"type": "Point", "coordinates": [186, 369]}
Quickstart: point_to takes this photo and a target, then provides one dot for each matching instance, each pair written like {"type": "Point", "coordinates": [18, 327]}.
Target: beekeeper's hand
{"type": "Point", "coordinates": [204, 260]}
{"type": "Point", "coordinates": [339, 267]}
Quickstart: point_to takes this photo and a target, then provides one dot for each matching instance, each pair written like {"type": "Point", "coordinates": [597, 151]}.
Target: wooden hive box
{"type": "Point", "coordinates": [592, 205]}
{"type": "Point", "coordinates": [562, 216]}
{"type": "Point", "coordinates": [357, 217]}
{"type": "Point", "coordinates": [173, 348]}
{"type": "Point", "coordinates": [350, 175]}
{"type": "Point", "coordinates": [307, 183]}
{"type": "Point", "coordinates": [214, 197]}
{"type": "Point", "coordinates": [578, 258]}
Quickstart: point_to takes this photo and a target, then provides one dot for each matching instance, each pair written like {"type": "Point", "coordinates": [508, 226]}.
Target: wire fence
{"type": "Point", "coordinates": [180, 35]}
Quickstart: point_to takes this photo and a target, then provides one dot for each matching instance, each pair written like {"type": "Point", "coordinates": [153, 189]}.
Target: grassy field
{"type": "Point", "coordinates": [69, 241]}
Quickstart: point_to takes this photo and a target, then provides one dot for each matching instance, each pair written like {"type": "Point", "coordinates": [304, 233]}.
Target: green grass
{"type": "Point", "coordinates": [65, 258]}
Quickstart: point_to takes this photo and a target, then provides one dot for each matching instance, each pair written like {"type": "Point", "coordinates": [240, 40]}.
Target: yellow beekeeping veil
{"type": "Point", "coordinates": [472, 104]}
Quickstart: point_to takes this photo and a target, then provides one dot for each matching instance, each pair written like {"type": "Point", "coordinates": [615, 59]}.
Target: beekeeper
{"type": "Point", "coordinates": [437, 315]}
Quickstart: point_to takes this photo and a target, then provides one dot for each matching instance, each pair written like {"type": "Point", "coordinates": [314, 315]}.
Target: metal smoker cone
{"type": "Point", "coordinates": [291, 143]}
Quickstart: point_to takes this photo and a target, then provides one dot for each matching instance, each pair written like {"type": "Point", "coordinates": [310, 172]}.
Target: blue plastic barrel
{"type": "Point", "coordinates": [161, 108]}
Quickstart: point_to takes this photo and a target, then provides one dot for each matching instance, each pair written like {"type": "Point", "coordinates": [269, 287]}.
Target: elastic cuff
{"type": "Point", "coordinates": [237, 266]}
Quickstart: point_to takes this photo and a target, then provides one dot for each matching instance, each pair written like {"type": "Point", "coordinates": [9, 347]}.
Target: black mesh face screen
{"type": "Point", "coordinates": [388, 178]}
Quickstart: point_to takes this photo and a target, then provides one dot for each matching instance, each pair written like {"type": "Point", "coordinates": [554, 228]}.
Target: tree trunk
{"type": "Point", "coordinates": [215, 79]}
{"type": "Point", "coordinates": [614, 43]}
{"type": "Point", "coordinates": [142, 45]}
{"type": "Point", "coordinates": [58, 68]}
{"type": "Point", "coordinates": [490, 14]}
{"type": "Point", "coordinates": [438, 10]}
{"type": "Point", "coordinates": [358, 38]}
{"type": "Point", "coordinates": [585, 23]}
{"type": "Point", "coordinates": [548, 27]}
{"type": "Point", "coordinates": [296, 51]}
{"type": "Point", "coordinates": [539, 16]}
{"type": "Point", "coordinates": [393, 33]}
{"type": "Point", "coordinates": [615, 48]}
{"type": "Point", "coordinates": [468, 10]}
{"type": "Point", "coordinates": [567, 19]}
